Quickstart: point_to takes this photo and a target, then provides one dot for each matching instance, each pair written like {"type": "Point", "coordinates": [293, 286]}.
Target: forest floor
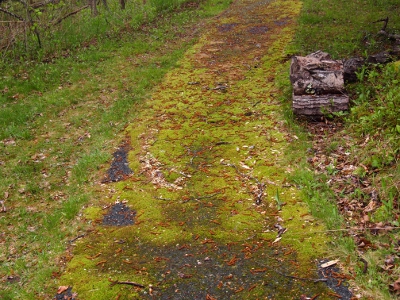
{"type": "Point", "coordinates": [196, 203]}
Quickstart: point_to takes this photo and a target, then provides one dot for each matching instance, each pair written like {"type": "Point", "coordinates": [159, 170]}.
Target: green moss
{"type": "Point", "coordinates": [199, 159]}
{"type": "Point", "coordinates": [93, 213]}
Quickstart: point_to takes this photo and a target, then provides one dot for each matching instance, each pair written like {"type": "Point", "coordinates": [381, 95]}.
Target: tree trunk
{"type": "Point", "coordinates": [122, 3]}
{"type": "Point", "coordinates": [105, 4]}
{"type": "Point", "coordinates": [93, 7]}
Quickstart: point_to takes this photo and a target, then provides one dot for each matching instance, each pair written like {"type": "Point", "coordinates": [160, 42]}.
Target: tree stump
{"type": "Point", "coordinates": [318, 85]}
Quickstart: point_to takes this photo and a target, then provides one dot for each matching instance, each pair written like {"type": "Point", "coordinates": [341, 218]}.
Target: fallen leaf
{"type": "Point", "coordinates": [395, 287]}
{"type": "Point", "coordinates": [62, 289]}
{"type": "Point", "coordinates": [277, 240]}
{"type": "Point", "coordinates": [329, 263]}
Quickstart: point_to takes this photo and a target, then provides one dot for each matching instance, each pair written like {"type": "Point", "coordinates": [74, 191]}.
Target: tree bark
{"type": "Point", "coordinates": [318, 85]}
{"type": "Point", "coordinates": [122, 3]}
{"type": "Point", "coordinates": [93, 7]}
{"type": "Point", "coordinates": [313, 105]}
{"type": "Point", "coordinates": [315, 74]}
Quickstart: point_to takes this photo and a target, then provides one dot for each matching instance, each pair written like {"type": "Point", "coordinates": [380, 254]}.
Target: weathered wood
{"type": "Point", "coordinates": [316, 74]}
{"type": "Point", "coordinates": [317, 105]}
{"type": "Point", "coordinates": [350, 67]}
{"type": "Point", "coordinates": [318, 84]}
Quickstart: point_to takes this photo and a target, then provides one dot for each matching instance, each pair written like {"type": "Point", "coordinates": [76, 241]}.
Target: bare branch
{"type": "Point", "coordinates": [385, 22]}
{"type": "Point", "coordinates": [70, 14]}
{"type": "Point", "coordinates": [44, 3]}
{"type": "Point", "coordinates": [11, 14]}
{"type": "Point", "coordinates": [114, 282]}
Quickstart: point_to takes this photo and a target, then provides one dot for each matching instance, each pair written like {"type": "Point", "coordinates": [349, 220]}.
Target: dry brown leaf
{"type": "Point", "coordinates": [62, 289]}
{"type": "Point", "coordinates": [395, 287]}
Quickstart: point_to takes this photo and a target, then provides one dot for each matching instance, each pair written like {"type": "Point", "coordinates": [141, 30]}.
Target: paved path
{"type": "Point", "coordinates": [209, 178]}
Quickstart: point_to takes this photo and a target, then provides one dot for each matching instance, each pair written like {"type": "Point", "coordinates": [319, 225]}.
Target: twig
{"type": "Point", "coordinates": [281, 230]}
{"type": "Point", "coordinates": [70, 14]}
{"type": "Point", "coordinates": [365, 269]}
{"type": "Point", "coordinates": [302, 278]}
{"type": "Point", "coordinates": [315, 280]}
{"type": "Point", "coordinates": [385, 20]}
{"type": "Point", "coordinates": [221, 143]}
{"type": "Point", "coordinates": [12, 14]}
{"type": "Point", "coordinates": [359, 229]}
{"type": "Point", "coordinates": [126, 282]}
{"type": "Point", "coordinates": [260, 185]}
{"type": "Point", "coordinates": [78, 237]}
{"type": "Point", "coordinates": [201, 198]}
{"type": "Point", "coordinates": [164, 199]}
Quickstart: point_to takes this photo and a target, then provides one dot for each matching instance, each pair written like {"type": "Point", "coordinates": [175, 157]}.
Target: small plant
{"type": "Point", "coordinates": [278, 200]}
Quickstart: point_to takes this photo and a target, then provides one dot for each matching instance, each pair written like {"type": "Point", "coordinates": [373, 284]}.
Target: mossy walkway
{"type": "Point", "coordinates": [209, 179]}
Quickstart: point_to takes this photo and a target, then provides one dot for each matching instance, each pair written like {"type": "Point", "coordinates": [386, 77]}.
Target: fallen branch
{"type": "Point", "coordinates": [126, 283]}
{"type": "Point", "coordinates": [44, 3]}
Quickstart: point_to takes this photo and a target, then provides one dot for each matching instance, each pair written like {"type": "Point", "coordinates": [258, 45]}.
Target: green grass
{"type": "Point", "coordinates": [344, 28]}
{"type": "Point", "coordinates": [60, 121]}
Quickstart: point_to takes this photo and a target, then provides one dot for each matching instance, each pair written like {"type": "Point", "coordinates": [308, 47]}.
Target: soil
{"type": "Point", "coordinates": [119, 215]}
{"type": "Point", "coordinates": [66, 295]}
{"type": "Point", "coordinates": [335, 280]}
{"type": "Point", "coordinates": [119, 169]}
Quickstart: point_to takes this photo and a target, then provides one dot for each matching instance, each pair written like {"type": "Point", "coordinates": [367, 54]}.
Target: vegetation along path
{"type": "Point", "coordinates": [204, 211]}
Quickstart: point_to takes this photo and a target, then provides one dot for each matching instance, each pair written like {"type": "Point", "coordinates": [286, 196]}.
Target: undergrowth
{"type": "Point", "coordinates": [369, 140]}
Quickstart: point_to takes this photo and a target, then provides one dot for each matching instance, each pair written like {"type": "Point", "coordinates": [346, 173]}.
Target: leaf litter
{"type": "Point", "coordinates": [358, 196]}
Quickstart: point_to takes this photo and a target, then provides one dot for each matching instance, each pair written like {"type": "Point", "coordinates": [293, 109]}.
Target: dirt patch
{"type": "Point", "coordinates": [119, 169]}
{"type": "Point", "coordinates": [335, 280]}
{"type": "Point", "coordinates": [226, 27]}
{"type": "Point", "coordinates": [66, 295]}
{"type": "Point", "coordinates": [119, 215]}
{"type": "Point", "coordinates": [258, 30]}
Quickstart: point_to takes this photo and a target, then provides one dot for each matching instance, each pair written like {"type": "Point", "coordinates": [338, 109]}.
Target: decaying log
{"type": "Point", "coordinates": [350, 67]}
{"type": "Point", "coordinates": [317, 105]}
{"type": "Point", "coordinates": [318, 81]}
{"type": "Point", "coordinates": [318, 84]}
{"type": "Point", "coordinates": [316, 74]}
